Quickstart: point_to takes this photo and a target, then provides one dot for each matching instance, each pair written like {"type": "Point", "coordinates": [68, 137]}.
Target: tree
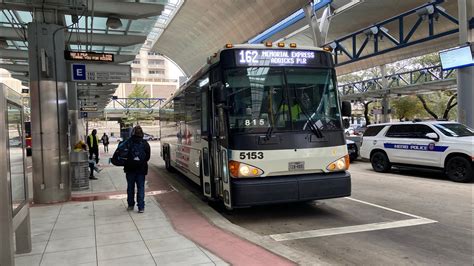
{"type": "Point", "coordinates": [138, 92]}
{"type": "Point", "coordinates": [366, 112]}
{"type": "Point", "coordinates": [450, 105]}
{"type": "Point", "coordinates": [424, 61]}
{"type": "Point", "coordinates": [439, 104]}
{"type": "Point", "coordinates": [427, 108]}
{"type": "Point", "coordinates": [406, 108]}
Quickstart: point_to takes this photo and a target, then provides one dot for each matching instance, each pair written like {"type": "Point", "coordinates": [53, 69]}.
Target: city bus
{"type": "Point", "coordinates": [259, 124]}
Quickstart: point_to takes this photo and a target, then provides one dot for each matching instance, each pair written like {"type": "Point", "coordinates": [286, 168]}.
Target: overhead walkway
{"type": "Point", "coordinates": [418, 81]}
{"type": "Point", "coordinates": [120, 107]}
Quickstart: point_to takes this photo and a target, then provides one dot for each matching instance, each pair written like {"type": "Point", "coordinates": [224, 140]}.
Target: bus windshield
{"type": "Point", "coordinates": [283, 99]}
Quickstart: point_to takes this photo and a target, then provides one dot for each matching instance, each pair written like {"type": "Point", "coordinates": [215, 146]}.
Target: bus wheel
{"type": "Point", "coordinates": [380, 162]}
{"type": "Point", "coordinates": [168, 166]}
{"type": "Point", "coordinates": [459, 169]}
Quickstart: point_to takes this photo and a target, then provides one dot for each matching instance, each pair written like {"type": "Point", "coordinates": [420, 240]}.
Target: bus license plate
{"type": "Point", "coordinates": [296, 166]}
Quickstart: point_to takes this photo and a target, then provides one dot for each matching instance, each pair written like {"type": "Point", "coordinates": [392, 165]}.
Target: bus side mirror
{"type": "Point", "coordinates": [219, 92]}
{"type": "Point", "coordinates": [346, 109]}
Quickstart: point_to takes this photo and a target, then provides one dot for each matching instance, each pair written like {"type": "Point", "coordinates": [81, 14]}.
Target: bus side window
{"type": "Point", "coordinates": [204, 114]}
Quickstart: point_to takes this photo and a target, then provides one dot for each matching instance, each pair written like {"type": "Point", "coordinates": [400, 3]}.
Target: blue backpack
{"type": "Point", "coordinates": [121, 154]}
{"type": "Point", "coordinates": [137, 154]}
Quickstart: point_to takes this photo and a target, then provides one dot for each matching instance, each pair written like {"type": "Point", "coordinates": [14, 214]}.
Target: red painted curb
{"type": "Point", "coordinates": [191, 224]}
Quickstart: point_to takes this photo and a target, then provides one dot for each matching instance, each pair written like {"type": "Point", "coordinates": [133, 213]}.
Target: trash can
{"type": "Point", "coordinates": [79, 164]}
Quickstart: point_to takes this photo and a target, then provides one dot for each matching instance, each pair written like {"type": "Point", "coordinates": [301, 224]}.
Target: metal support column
{"type": "Point", "coordinates": [465, 76]}
{"type": "Point", "coordinates": [73, 109]}
{"type": "Point", "coordinates": [385, 99]}
{"type": "Point", "coordinates": [313, 25]}
{"type": "Point", "coordinates": [49, 113]}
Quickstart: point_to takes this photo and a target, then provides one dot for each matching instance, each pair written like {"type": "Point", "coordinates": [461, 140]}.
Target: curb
{"type": "Point", "coordinates": [215, 218]}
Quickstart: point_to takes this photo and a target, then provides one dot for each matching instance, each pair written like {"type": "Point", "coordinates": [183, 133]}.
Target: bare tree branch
{"type": "Point", "coordinates": [450, 106]}
{"type": "Point", "coordinates": [422, 100]}
{"type": "Point", "coordinates": [366, 112]}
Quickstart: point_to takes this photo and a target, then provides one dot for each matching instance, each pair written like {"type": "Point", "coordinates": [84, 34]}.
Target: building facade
{"type": "Point", "coordinates": [152, 71]}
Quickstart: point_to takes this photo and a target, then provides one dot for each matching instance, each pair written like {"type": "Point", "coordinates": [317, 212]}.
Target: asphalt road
{"type": "Point", "coordinates": [400, 218]}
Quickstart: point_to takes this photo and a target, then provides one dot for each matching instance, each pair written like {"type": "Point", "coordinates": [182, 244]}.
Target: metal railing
{"type": "Point", "coordinates": [136, 79]}
{"type": "Point", "coordinates": [412, 77]}
{"type": "Point", "coordinates": [136, 103]}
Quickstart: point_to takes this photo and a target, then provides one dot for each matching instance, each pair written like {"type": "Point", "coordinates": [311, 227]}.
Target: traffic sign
{"type": "Point", "coordinates": [100, 73]}
{"type": "Point", "coordinates": [89, 109]}
{"type": "Point", "coordinates": [78, 72]}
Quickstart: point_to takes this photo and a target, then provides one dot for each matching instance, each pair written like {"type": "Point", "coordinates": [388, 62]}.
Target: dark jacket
{"type": "Point", "coordinates": [92, 142]}
{"type": "Point", "coordinates": [143, 167]}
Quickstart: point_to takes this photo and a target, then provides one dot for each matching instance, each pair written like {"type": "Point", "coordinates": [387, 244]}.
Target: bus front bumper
{"type": "Point", "coordinates": [280, 189]}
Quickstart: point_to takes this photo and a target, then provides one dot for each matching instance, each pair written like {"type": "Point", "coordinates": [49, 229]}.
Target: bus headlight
{"type": "Point", "coordinates": [340, 164]}
{"type": "Point", "coordinates": [238, 169]}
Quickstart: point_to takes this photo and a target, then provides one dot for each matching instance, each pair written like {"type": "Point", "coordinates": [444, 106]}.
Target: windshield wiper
{"type": "Point", "coordinates": [268, 135]}
{"type": "Point", "coordinates": [314, 128]}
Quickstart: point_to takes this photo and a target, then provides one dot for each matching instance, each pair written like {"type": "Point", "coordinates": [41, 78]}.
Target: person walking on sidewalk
{"type": "Point", "coordinates": [93, 144]}
{"type": "Point", "coordinates": [105, 141]}
{"type": "Point", "coordinates": [136, 168]}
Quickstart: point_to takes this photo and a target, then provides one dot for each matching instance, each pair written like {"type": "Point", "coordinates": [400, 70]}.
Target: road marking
{"type": "Point", "coordinates": [149, 193]}
{"type": "Point", "coordinates": [417, 220]}
{"type": "Point", "coordinates": [350, 229]}
{"type": "Point", "coordinates": [385, 208]}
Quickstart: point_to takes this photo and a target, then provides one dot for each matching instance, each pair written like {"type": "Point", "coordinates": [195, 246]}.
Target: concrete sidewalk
{"type": "Point", "coordinates": [103, 232]}
{"type": "Point", "coordinates": [96, 229]}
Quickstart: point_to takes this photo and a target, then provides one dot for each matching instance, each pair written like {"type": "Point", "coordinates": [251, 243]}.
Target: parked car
{"type": "Point", "coordinates": [15, 142]}
{"type": "Point", "coordinates": [28, 144]}
{"type": "Point", "coordinates": [115, 139]}
{"type": "Point", "coordinates": [28, 139]}
{"type": "Point", "coordinates": [448, 146]}
{"type": "Point", "coordinates": [360, 131]}
{"type": "Point", "coordinates": [355, 130]}
{"type": "Point", "coordinates": [352, 149]}
{"type": "Point", "coordinates": [149, 137]}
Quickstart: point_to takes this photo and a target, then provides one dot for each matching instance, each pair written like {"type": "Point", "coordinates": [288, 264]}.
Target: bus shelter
{"type": "Point", "coordinates": [14, 210]}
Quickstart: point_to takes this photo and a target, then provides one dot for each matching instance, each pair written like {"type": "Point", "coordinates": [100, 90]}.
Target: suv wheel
{"type": "Point", "coordinates": [459, 169]}
{"type": "Point", "coordinates": [380, 162]}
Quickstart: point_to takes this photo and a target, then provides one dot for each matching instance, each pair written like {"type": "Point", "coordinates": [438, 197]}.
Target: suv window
{"type": "Point", "coordinates": [400, 131]}
{"type": "Point", "coordinates": [372, 131]}
{"type": "Point", "coordinates": [409, 131]}
{"type": "Point", "coordinates": [422, 130]}
{"type": "Point", "coordinates": [455, 130]}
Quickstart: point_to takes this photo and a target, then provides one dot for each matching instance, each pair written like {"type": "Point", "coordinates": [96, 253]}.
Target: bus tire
{"type": "Point", "coordinates": [380, 162]}
{"type": "Point", "coordinates": [168, 166]}
{"type": "Point", "coordinates": [459, 169]}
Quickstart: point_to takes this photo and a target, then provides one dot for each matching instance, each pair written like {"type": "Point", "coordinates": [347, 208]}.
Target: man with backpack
{"type": "Point", "coordinates": [136, 168]}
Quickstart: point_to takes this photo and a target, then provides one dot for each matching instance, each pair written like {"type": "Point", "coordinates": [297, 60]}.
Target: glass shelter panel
{"type": "Point", "coordinates": [16, 159]}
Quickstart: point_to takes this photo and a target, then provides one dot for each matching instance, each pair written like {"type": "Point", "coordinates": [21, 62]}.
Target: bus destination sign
{"type": "Point", "coordinates": [89, 56]}
{"type": "Point", "coordinates": [260, 57]}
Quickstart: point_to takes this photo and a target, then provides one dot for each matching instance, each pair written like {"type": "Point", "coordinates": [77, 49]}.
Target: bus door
{"type": "Point", "coordinates": [218, 144]}
{"type": "Point", "coordinates": [208, 186]}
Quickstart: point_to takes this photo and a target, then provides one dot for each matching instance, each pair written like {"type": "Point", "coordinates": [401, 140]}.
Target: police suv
{"type": "Point", "coordinates": [432, 144]}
